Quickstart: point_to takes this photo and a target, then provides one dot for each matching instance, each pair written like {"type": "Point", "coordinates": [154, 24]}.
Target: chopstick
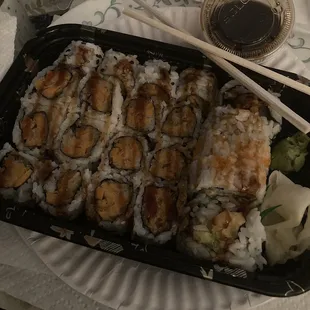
{"type": "Point", "coordinates": [217, 51]}
{"type": "Point", "coordinates": [264, 95]}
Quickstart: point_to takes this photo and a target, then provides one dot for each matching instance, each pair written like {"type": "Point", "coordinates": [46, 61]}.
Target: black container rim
{"type": "Point", "coordinates": [13, 85]}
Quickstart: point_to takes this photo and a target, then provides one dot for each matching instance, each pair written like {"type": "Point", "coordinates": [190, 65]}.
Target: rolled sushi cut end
{"type": "Point", "coordinates": [79, 141]}
{"type": "Point", "coordinates": [168, 164]}
{"type": "Point", "coordinates": [126, 153]}
{"type": "Point", "coordinates": [180, 122]}
{"type": "Point", "coordinates": [53, 83]}
{"type": "Point", "coordinates": [219, 229]}
{"type": "Point", "coordinates": [140, 114]}
{"type": "Point", "coordinates": [97, 94]}
{"type": "Point", "coordinates": [154, 91]}
{"type": "Point", "coordinates": [34, 129]}
{"type": "Point", "coordinates": [122, 67]}
{"type": "Point", "coordinates": [78, 54]}
{"type": "Point", "coordinates": [63, 193]}
{"type": "Point", "coordinates": [199, 86]}
{"type": "Point", "coordinates": [16, 174]}
{"type": "Point", "coordinates": [156, 214]}
{"type": "Point", "coordinates": [110, 201]}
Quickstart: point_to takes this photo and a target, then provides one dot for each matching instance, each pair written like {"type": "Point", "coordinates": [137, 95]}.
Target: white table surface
{"type": "Point", "coordinates": [26, 283]}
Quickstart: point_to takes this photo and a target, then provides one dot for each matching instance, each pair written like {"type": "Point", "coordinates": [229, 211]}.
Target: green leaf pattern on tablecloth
{"type": "Point", "coordinates": [298, 43]}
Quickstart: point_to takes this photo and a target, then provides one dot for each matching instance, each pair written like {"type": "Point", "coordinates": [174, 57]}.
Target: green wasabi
{"type": "Point", "coordinates": [290, 154]}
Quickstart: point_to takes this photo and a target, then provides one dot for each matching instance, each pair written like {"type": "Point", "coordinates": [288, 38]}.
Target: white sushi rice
{"type": "Point", "coordinates": [94, 56]}
{"type": "Point", "coordinates": [150, 72]}
{"type": "Point", "coordinates": [111, 59]}
{"type": "Point", "coordinates": [246, 251]}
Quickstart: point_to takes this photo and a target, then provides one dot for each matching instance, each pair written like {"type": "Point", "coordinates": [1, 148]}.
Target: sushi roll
{"type": "Point", "coordinates": [126, 153]}
{"type": "Point", "coordinates": [110, 200]}
{"type": "Point", "coordinates": [220, 229]}
{"type": "Point", "coordinates": [81, 140]}
{"type": "Point", "coordinates": [198, 87]}
{"type": "Point", "coordinates": [121, 66]}
{"type": "Point", "coordinates": [156, 212]}
{"type": "Point", "coordinates": [16, 174]}
{"type": "Point", "coordinates": [169, 163]}
{"type": "Point", "coordinates": [62, 193]}
{"type": "Point", "coordinates": [232, 155]}
{"type": "Point", "coordinates": [83, 55]}
{"type": "Point", "coordinates": [156, 80]}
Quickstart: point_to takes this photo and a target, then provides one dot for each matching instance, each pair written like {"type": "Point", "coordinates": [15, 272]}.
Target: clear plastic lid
{"type": "Point", "coordinates": [251, 29]}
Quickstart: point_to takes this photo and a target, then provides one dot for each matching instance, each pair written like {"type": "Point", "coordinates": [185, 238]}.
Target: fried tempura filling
{"type": "Point", "coordinates": [112, 199]}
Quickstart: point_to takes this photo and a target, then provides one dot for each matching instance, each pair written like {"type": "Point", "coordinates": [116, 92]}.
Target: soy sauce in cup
{"type": "Point", "coordinates": [253, 29]}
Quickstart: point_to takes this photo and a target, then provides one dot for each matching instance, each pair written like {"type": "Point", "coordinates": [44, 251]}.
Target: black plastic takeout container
{"type": "Point", "coordinates": [290, 279]}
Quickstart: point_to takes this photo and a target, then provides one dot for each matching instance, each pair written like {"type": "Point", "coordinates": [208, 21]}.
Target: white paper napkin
{"type": "Point", "coordinates": [8, 25]}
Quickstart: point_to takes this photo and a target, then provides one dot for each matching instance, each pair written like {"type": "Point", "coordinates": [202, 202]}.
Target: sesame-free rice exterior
{"type": "Point", "coordinates": [232, 154]}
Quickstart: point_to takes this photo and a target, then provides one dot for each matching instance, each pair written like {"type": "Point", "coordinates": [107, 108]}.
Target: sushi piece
{"type": "Point", "coordinates": [182, 120]}
{"type": "Point", "coordinates": [110, 200]}
{"type": "Point", "coordinates": [222, 229]}
{"type": "Point", "coordinates": [232, 155]}
{"type": "Point", "coordinates": [53, 83]}
{"type": "Point", "coordinates": [83, 55]}
{"type": "Point", "coordinates": [155, 213]}
{"type": "Point", "coordinates": [168, 163]}
{"type": "Point", "coordinates": [127, 153]}
{"type": "Point", "coordinates": [97, 94]}
{"type": "Point", "coordinates": [80, 141]}
{"type": "Point", "coordinates": [156, 80]}
{"type": "Point", "coordinates": [16, 174]}
{"type": "Point", "coordinates": [198, 87]}
{"type": "Point", "coordinates": [34, 129]}
{"type": "Point", "coordinates": [122, 67]}
{"type": "Point", "coordinates": [140, 114]}
{"type": "Point", "coordinates": [63, 192]}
